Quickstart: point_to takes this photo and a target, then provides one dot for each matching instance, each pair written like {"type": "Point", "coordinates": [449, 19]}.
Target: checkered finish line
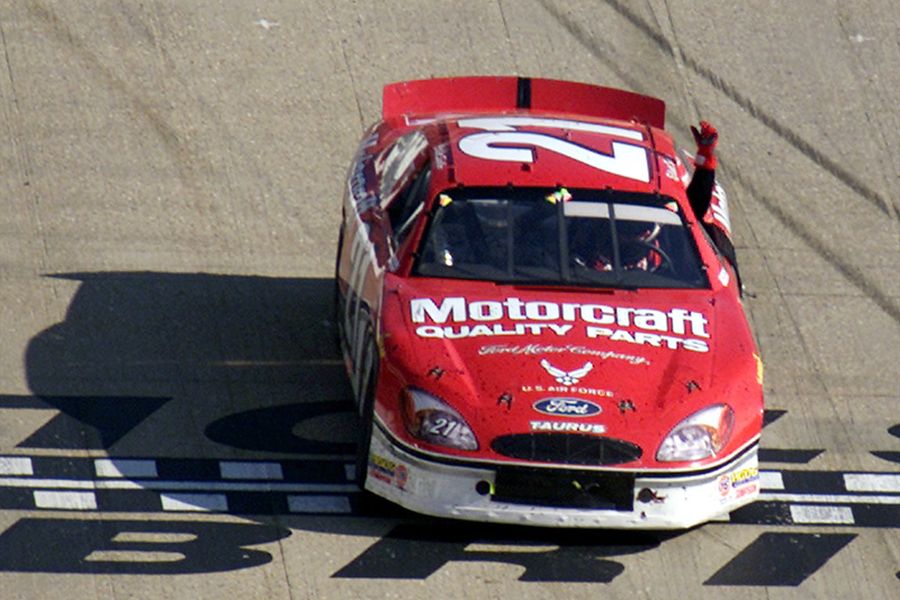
{"type": "Point", "coordinates": [325, 486]}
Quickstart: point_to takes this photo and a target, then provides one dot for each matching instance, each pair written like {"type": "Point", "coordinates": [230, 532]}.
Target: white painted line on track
{"type": "Point", "coordinates": [828, 498]}
{"type": "Point", "coordinates": [194, 502]}
{"type": "Point", "coordinates": [65, 500]}
{"type": "Point", "coordinates": [771, 480]}
{"type": "Point", "coordinates": [119, 467]}
{"type": "Point", "coordinates": [157, 484]}
{"type": "Point", "coordinates": [319, 504]}
{"type": "Point", "coordinates": [321, 457]}
{"type": "Point", "coordinates": [16, 465]}
{"type": "Point", "coordinates": [250, 470]}
{"type": "Point", "coordinates": [872, 482]}
{"type": "Point", "coordinates": [801, 513]}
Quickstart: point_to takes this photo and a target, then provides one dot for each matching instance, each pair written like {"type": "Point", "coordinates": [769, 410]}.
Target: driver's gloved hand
{"type": "Point", "coordinates": [706, 138]}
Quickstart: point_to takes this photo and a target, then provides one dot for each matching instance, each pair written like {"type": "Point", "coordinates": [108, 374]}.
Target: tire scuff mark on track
{"type": "Point", "coordinates": [183, 157]}
{"type": "Point", "coordinates": [849, 271]}
{"type": "Point", "coordinates": [741, 100]}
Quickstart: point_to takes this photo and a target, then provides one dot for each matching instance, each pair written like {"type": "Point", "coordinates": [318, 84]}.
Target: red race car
{"type": "Point", "coordinates": [537, 326]}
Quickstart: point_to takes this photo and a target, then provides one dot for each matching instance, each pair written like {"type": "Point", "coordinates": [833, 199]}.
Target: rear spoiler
{"type": "Point", "coordinates": [427, 97]}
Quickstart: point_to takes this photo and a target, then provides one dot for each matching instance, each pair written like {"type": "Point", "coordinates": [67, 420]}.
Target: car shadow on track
{"type": "Point", "coordinates": [228, 387]}
{"type": "Point", "coordinates": [167, 356]}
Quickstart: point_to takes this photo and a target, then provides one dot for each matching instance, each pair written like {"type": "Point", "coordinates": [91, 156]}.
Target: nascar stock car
{"type": "Point", "coordinates": [537, 327]}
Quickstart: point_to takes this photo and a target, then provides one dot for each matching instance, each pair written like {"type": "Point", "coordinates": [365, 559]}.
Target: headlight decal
{"type": "Point", "coordinates": [432, 420]}
{"type": "Point", "coordinates": [701, 435]}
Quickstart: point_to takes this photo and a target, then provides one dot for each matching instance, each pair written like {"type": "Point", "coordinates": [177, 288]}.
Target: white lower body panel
{"type": "Point", "coordinates": [464, 492]}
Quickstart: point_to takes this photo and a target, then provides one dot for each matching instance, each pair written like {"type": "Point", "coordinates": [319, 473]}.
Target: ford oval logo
{"type": "Point", "coordinates": [567, 407]}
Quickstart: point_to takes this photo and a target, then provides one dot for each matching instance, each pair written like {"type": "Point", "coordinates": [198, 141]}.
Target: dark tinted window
{"type": "Point", "coordinates": [407, 204]}
{"type": "Point", "coordinates": [544, 236]}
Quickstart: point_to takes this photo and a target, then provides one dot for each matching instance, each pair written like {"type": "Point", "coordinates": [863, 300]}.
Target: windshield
{"type": "Point", "coordinates": [560, 237]}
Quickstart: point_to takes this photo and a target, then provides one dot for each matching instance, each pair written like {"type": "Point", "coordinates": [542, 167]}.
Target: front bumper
{"type": "Point", "coordinates": [500, 494]}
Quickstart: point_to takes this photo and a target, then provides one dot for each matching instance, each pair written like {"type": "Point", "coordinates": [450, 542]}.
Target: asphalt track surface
{"type": "Point", "coordinates": [173, 417]}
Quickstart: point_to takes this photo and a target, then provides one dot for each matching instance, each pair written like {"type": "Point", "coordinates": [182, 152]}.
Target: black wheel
{"type": "Point", "coordinates": [366, 414]}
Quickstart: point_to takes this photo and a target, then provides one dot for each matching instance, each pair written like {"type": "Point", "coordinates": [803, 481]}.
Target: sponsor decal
{"type": "Point", "coordinates": [533, 349]}
{"type": "Point", "coordinates": [398, 162]}
{"type": "Point", "coordinates": [744, 477]}
{"type": "Point", "coordinates": [567, 377]}
{"type": "Point", "coordinates": [671, 169]}
{"type": "Point", "coordinates": [745, 491]}
{"type": "Point", "coordinates": [560, 389]}
{"type": "Point", "coordinates": [682, 171]}
{"type": "Point", "coordinates": [381, 468]}
{"type": "Point", "coordinates": [442, 156]}
{"type": "Point", "coordinates": [739, 483]}
{"type": "Point", "coordinates": [745, 481]}
{"type": "Point", "coordinates": [458, 310]}
{"type": "Point", "coordinates": [401, 476]}
{"type": "Point", "coordinates": [718, 208]}
{"type": "Point", "coordinates": [724, 485]}
{"type": "Point", "coordinates": [388, 471]}
{"type": "Point", "coordinates": [568, 427]}
{"type": "Point", "coordinates": [456, 317]}
{"type": "Point", "coordinates": [723, 277]}
{"type": "Point", "coordinates": [568, 407]}
{"type": "Point", "coordinates": [467, 331]}
{"type": "Point", "coordinates": [652, 339]}
{"type": "Point", "coordinates": [358, 182]}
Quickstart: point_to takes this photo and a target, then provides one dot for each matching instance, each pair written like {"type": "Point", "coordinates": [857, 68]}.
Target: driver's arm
{"type": "Point", "coordinates": [699, 191]}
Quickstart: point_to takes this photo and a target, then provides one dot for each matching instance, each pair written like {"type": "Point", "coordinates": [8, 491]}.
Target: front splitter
{"type": "Point", "coordinates": [463, 492]}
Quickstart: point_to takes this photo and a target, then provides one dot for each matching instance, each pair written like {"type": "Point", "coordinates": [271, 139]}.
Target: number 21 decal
{"type": "Point", "coordinates": [501, 141]}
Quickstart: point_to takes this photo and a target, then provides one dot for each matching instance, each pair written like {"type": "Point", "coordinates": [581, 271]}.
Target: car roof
{"type": "Point", "coordinates": [559, 151]}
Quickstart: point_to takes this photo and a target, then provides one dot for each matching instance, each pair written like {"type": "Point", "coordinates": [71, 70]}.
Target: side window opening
{"type": "Point", "coordinates": [407, 204]}
{"type": "Point", "coordinates": [397, 163]}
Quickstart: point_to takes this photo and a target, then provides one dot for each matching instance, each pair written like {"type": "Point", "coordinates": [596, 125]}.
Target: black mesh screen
{"type": "Point", "coordinates": [564, 488]}
{"type": "Point", "coordinates": [566, 449]}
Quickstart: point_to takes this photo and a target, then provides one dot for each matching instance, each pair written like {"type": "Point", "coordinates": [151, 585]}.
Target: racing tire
{"type": "Point", "coordinates": [366, 414]}
{"type": "Point", "coordinates": [338, 299]}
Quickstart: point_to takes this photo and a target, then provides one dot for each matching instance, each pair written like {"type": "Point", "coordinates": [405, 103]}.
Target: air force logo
{"type": "Point", "coordinates": [567, 377]}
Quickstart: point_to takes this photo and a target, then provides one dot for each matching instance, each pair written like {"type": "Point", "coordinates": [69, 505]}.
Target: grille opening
{"type": "Point", "coordinates": [564, 488]}
{"type": "Point", "coordinates": [566, 449]}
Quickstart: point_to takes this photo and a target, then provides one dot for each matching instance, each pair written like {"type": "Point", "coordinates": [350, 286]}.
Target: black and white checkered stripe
{"type": "Point", "coordinates": [863, 499]}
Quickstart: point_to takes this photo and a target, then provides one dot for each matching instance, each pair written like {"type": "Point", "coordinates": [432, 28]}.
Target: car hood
{"type": "Point", "coordinates": [624, 363]}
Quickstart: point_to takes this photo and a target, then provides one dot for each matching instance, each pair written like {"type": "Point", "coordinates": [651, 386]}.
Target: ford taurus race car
{"type": "Point", "coordinates": [537, 327]}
